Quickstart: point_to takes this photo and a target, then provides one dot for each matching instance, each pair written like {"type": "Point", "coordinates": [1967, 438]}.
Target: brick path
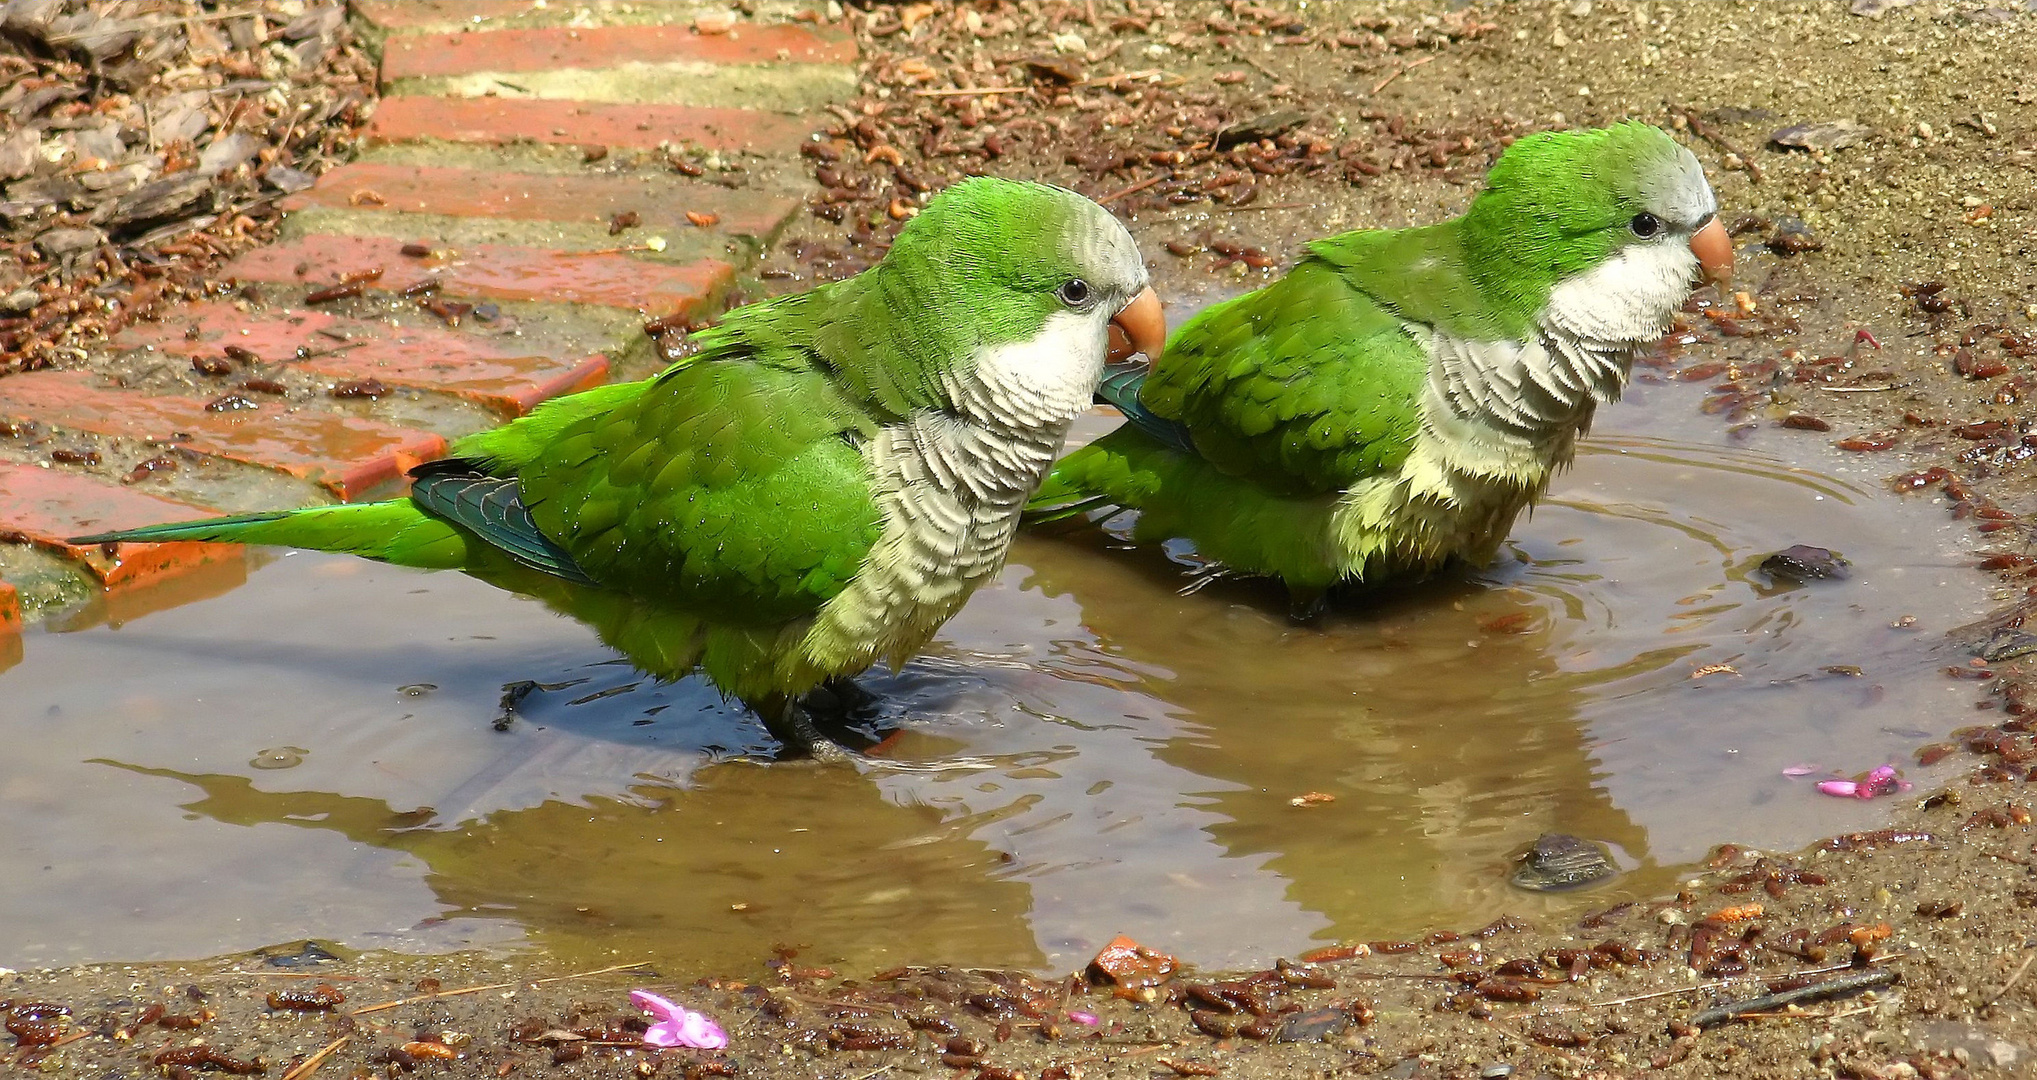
{"type": "Point", "coordinates": [510, 139]}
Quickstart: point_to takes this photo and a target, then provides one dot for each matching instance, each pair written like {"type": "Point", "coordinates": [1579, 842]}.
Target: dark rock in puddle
{"type": "Point", "coordinates": [1558, 861]}
{"type": "Point", "coordinates": [298, 954]}
{"type": "Point", "coordinates": [1804, 563]}
{"type": "Point", "coordinates": [1824, 135]}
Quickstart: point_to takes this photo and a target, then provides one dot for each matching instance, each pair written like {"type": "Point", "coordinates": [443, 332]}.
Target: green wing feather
{"type": "Point", "coordinates": [1291, 394]}
{"type": "Point", "coordinates": [1304, 387]}
{"type": "Point", "coordinates": [735, 485]}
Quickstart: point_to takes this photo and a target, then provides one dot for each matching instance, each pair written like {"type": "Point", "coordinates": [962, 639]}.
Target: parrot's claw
{"type": "Point", "coordinates": [793, 726]}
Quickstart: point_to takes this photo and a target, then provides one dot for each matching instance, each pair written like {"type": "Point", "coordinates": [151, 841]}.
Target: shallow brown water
{"type": "Point", "coordinates": [312, 754]}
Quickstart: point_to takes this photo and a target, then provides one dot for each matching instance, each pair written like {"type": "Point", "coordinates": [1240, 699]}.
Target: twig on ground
{"type": "Point", "coordinates": [1819, 991]}
{"type": "Point", "coordinates": [1398, 72]}
{"type": "Point", "coordinates": [1705, 131]}
{"type": "Point", "coordinates": [2011, 984]}
{"type": "Point", "coordinates": [1106, 200]}
{"type": "Point", "coordinates": [1258, 67]}
{"type": "Point", "coordinates": [1719, 985]}
{"type": "Point", "coordinates": [310, 1065]}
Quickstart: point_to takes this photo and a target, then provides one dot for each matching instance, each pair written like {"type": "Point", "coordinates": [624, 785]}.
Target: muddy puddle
{"type": "Point", "coordinates": [313, 754]}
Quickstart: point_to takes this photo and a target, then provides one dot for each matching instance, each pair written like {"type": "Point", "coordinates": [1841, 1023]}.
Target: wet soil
{"type": "Point", "coordinates": [1941, 890]}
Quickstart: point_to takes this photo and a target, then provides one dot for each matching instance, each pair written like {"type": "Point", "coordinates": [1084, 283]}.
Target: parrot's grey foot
{"type": "Point", "coordinates": [788, 720]}
{"type": "Point", "coordinates": [513, 695]}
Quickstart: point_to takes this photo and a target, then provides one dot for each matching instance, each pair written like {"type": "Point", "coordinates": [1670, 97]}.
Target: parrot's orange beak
{"type": "Point", "coordinates": [1714, 251]}
{"type": "Point", "coordinates": [1140, 328]}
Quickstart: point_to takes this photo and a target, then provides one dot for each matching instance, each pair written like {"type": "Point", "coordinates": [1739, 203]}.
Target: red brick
{"type": "Point", "coordinates": [425, 189]}
{"type": "Point", "coordinates": [345, 454]}
{"type": "Point", "coordinates": [402, 15]}
{"type": "Point", "coordinates": [496, 271]}
{"type": "Point", "coordinates": [421, 358]}
{"type": "Point", "coordinates": [44, 506]}
{"type": "Point", "coordinates": [10, 613]}
{"type": "Point", "coordinates": [573, 123]}
{"type": "Point", "coordinates": [552, 47]}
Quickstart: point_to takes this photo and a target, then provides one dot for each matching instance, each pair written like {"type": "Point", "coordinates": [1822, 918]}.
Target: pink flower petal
{"type": "Point", "coordinates": [1882, 780]}
{"type": "Point", "coordinates": [1084, 1018]}
{"type": "Point", "coordinates": [1844, 789]}
{"type": "Point", "coordinates": [662, 1008]}
{"type": "Point", "coordinates": [677, 1025]}
{"type": "Point", "coordinates": [1805, 769]}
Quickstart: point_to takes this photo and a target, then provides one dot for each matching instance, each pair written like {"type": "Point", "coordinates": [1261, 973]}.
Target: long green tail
{"type": "Point", "coordinates": [394, 532]}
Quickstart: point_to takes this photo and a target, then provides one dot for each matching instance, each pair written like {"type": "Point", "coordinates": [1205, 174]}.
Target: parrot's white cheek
{"type": "Point", "coordinates": [1631, 297]}
{"type": "Point", "coordinates": [1047, 379]}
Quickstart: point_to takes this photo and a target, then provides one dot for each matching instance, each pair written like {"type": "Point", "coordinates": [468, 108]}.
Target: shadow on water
{"type": "Point", "coordinates": [314, 755]}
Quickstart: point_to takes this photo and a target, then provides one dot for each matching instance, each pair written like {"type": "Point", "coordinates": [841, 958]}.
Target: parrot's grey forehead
{"type": "Point", "coordinates": [1674, 188]}
{"type": "Point", "coordinates": [1104, 248]}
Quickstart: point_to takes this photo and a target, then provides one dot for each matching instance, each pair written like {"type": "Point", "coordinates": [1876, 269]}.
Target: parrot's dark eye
{"type": "Point", "coordinates": [1075, 293]}
{"type": "Point", "coordinates": [1645, 225]}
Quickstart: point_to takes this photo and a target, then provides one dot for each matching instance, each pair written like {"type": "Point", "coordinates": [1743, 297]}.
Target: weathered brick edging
{"type": "Point", "coordinates": [520, 199]}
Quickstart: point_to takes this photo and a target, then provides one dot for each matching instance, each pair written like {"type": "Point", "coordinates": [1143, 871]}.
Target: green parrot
{"type": "Point", "coordinates": [1400, 396]}
{"type": "Point", "coordinates": [818, 488]}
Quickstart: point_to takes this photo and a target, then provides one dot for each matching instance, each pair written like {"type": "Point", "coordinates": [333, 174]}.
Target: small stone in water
{"type": "Point", "coordinates": [1314, 1025]}
{"type": "Point", "coordinates": [1802, 562]}
{"type": "Point", "coordinates": [1558, 861]}
{"type": "Point", "coordinates": [1130, 964]}
{"type": "Point", "coordinates": [279, 757]}
{"type": "Point", "coordinates": [307, 954]}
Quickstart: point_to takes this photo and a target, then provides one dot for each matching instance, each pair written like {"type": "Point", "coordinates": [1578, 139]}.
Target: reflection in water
{"type": "Point", "coordinates": [313, 756]}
